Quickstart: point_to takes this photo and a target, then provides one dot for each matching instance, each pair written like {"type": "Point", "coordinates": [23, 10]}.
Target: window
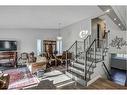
{"type": "Point", "coordinates": [59, 45]}
{"type": "Point", "coordinates": [122, 55]}
{"type": "Point", "coordinates": [39, 47]}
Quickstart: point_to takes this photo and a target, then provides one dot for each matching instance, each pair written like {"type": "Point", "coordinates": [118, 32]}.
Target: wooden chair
{"type": "Point", "coordinates": [62, 59]}
{"type": "Point", "coordinates": [31, 57]}
{"type": "Point", "coordinates": [52, 59]}
{"type": "Point", "coordinates": [23, 59]}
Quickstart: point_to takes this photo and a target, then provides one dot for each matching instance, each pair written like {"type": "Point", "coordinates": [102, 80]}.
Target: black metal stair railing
{"type": "Point", "coordinates": [88, 51]}
{"type": "Point", "coordinates": [88, 57]}
{"type": "Point", "coordinates": [107, 71]}
{"type": "Point", "coordinates": [87, 42]}
{"type": "Point", "coordinates": [74, 52]}
{"type": "Point", "coordinates": [77, 50]}
{"type": "Point", "coordinates": [92, 56]}
{"type": "Point", "coordinates": [70, 53]}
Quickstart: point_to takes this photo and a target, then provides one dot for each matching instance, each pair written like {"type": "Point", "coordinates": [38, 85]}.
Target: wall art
{"type": "Point", "coordinates": [118, 42]}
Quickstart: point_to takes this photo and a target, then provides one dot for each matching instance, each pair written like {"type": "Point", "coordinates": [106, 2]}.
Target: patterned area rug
{"type": "Point", "coordinates": [21, 78]}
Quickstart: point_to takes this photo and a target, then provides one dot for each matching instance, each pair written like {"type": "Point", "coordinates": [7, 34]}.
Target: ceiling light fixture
{"type": "Point", "coordinates": [59, 34]}
{"type": "Point", "coordinates": [119, 24]}
{"type": "Point", "coordinates": [114, 18]}
{"type": "Point", "coordinates": [108, 10]}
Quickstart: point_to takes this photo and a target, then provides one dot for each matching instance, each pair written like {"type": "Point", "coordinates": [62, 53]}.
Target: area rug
{"type": "Point", "coordinates": [21, 78]}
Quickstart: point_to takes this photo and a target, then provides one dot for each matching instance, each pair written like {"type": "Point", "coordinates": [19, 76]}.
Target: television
{"type": "Point", "coordinates": [7, 45]}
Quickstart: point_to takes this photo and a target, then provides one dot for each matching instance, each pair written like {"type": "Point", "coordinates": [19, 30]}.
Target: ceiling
{"type": "Point", "coordinates": [46, 17]}
{"type": "Point", "coordinates": [121, 13]}
{"type": "Point", "coordinates": [117, 16]}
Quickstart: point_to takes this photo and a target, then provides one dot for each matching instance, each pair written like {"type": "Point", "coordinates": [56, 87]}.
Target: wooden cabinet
{"type": "Point", "coordinates": [10, 56]}
{"type": "Point", "coordinates": [49, 46]}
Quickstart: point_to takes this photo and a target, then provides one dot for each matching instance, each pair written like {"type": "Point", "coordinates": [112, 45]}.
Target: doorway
{"type": "Point", "coordinates": [98, 30]}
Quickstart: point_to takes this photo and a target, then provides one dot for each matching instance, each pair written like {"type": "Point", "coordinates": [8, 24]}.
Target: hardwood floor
{"type": "Point", "coordinates": [105, 84]}
{"type": "Point", "coordinates": [118, 76]}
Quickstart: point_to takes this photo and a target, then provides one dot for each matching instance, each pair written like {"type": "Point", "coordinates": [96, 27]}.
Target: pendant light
{"type": "Point", "coordinates": [59, 34]}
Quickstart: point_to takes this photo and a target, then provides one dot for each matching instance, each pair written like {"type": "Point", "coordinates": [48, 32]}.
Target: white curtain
{"type": "Point", "coordinates": [39, 47]}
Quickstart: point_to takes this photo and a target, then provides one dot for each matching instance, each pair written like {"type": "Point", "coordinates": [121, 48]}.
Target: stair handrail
{"type": "Point", "coordinates": [91, 45]}
{"type": "Point", "coordinates": [88, 37]}
{"type": "Point", "coordinates": [110, 78]}
{"type": "Point", "coordinates": [77, 42]}
{"type": "Point", "coordinates": [94, 41]}
{"type": "Point", "coordinates": [76, 48]}
{"type": "Point", "coordinates": [67, 51]}
{"type": "Point", "coordinates": [87, 51]}
{"type": "Point", "coordinates": [89, 67]}
{"type": "Point", "coordinates": [72, 45]}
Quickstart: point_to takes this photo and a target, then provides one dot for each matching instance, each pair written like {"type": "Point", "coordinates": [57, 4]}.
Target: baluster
{"type": "Point", "coordinates": [85, 68]}
{"type": "Point", "coordinates": [67, 60]}
{"type": "Point", "coordinates": [76, 50]}
{"type": "Point", "coordinates": [104, 46]}
{"type": "Point", "coordinates": [95, 50]}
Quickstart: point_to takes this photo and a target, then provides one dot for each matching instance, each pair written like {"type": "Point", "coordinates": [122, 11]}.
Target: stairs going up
{"type": "Point", "coordinates": [82, 63]}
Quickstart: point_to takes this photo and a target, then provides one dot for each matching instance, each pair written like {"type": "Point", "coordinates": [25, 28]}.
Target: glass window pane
{"type": "Point", "coordinates": [39, 47]}
{"type": "Point", "coordinates": [59, 46]}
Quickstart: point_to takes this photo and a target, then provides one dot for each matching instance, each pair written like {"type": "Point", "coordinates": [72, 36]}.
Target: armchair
{"type": "Point", "coordinates": [40, 64]}
{"type": "Point", "coordinates": [4, 81]}
{"type": "Point", "coordinates": [23, 59]}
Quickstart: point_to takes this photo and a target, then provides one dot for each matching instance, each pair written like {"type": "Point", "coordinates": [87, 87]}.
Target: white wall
{"type": "Point", "coordinates": [71, 33]}
{"type": "Point", "coordinates": [115, 31]}
{"type": "Point", "coordinates": [27, 37]}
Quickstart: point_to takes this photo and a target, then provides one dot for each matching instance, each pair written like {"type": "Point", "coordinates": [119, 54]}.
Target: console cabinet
{"type": "Point", "coordinates": [8, 58]}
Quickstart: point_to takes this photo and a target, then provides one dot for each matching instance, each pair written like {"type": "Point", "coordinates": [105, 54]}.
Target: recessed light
{"type": "Point", "coordinates": [119, 24]}
{"type": "Point", "coordinates": [108, 10]}
{"type": "Point", "coordinates": [114, 18]}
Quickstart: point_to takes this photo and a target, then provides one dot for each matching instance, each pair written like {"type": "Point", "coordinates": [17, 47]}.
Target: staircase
{"type": "Point", "coordinates": [84, 58]}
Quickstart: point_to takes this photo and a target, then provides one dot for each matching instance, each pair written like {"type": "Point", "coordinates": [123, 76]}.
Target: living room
{"type": "Point", "coordinates": [38, 44]}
